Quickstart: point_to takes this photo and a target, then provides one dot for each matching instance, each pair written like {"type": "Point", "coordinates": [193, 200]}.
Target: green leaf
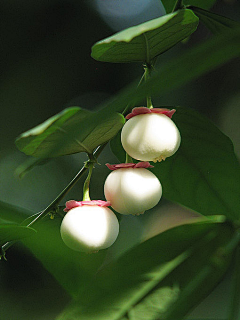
{"type": "Point", "coordinates": [12, 214]}
{"type": "Point", "coordinates": [204, 174]}
{"type": "Point", "coordinates": [144, 42]}
{"type": "Point", "coordinates": [192, 64]}
{"type": "Point", "coordinates": [14, 232]}
{"type": "Point", "coordinates": [72, 130]}
{"type": "Point", "coordinates": [214, 22]}
{"type": "Point", "coordinates": [169, 5]}
{"type": "Point", "coordinates": [204, 4]}
{"type": "Point", "coordinates": [160, 270]}
{"type": "Point", "coordinates": [117, 149]}
{"type": "Point", "coordinates": [73, 270]}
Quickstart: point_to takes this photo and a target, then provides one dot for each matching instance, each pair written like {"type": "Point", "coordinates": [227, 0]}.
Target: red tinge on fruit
{"type": "Point", "coordinates": [143, 110]}
{"type": "Point", "coordinates": [142, 164]}
{"type": "Point", "coordinates": [73, 204]}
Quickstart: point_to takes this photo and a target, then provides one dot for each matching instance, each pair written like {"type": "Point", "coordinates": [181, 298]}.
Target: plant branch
{"type": "Point", "coordinates": [147, 75]}
{"type": "Point", "coordinates": [53, 205]}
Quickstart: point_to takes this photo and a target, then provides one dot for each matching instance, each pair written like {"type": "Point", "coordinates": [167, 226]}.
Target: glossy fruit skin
{"type": "Point", "coordinates": [132, 190]}
{"type": "Point", "coordinates": [150, 137]}
{"type": "Point", "coordinates": [89, 228]}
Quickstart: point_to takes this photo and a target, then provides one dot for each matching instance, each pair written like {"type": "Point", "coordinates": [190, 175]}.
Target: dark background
{"type": "Point", "coordinates": [46, 66]}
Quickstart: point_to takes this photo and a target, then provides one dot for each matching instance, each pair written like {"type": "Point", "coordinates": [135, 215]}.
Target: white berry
{"type": "Point", "coordinates": [132, 191]}
{"type": "Point", "coordinates": [150, 137]}
{"type": "Point", "coordinates": [89, 228]}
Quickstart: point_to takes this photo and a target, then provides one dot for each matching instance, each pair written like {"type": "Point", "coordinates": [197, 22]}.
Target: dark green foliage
{"type": "Point", "coordinates": [167, 275]}
{"type": "Point", "coordinates": [144, 42]}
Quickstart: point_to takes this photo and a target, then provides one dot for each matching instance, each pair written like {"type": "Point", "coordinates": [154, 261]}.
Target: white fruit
{"type": "Point", "coordinates": [132, 190]}
{"type": "Point", "coordinates": [89, 228]}
{"type": "Point", "coordinates": [150, 137]}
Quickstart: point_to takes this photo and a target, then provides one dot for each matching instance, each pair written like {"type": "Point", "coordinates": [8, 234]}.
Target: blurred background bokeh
{"type": "Point", "coordinates": [45, 67]}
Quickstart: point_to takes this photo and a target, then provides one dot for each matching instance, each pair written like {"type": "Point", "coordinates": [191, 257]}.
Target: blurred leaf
{"type": "Point", "coordinates": [214, 22]}
{"type": "Point", "coordinates": [234, 310]}
{"type": "Point", "coordinates": [205, 4]}
{"type": "Point", "coordinates": [12, 213]}
{"type": "Point", "coordinates": [73, 270]}
{"type": "Point", "coordinates": [28, 165]}
{"type": "Point", "coordinates": [167, 263]}
{"type": "Point", "coordinates": [117, 149]}
{"type": "Point", "coordinates": [72, 130]}
{"type": "Point", "coordinates": [169, 5]}
{"type": "Point", "coordinates": [204, 174]}
{"type": "Point", "coordinates": [146, 41]}
{"type": "Point", "coordinates": [14, 232]}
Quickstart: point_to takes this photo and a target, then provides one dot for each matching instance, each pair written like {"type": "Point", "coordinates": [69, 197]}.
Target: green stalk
{"type": "Point", "coordinates": [128, 158]}
{"type": "Point", "coordinates": [86, 195]}
{"type": "Point", "coordinates": [147, 75]}
{"type": "Point", "coordinates": [52, 207]}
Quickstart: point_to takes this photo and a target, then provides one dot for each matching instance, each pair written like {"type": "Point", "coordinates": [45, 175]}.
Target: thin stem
{"type": "Point", "coordinates": [128, 158]}
{"type": "Point", "coordinates": [147, 75]}
{"type": "Point", "coordinates": [86, 195]}
{"type": "Point", "coordinates": [125, 111]}
{"type": "Point", "coordinates": [53, 205]}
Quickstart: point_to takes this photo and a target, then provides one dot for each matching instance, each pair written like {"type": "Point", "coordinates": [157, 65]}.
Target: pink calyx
{"type": "Point", "coordinates": [73, 204]}
{"type": "Point", "coordinates": [142, 164]}
{"type": "Point", "coordinates": [143, 110]}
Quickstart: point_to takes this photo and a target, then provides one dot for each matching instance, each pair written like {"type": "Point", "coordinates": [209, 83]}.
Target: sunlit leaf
{"type": "Point", "coordinates": [194, 63]}
{"type": "Point", "coordinates": [146, 41]}
{"type": "Point", "coordinates": [214, 22]}
{"type": "Point", "coordinates": [72, 130]}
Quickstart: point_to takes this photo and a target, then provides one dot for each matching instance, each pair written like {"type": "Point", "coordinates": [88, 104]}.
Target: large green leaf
{"type": "Point", "coordinates": [204, 174]}
{"type": "Point", "coordinates": [162, 269]}
{"type": "Point", "coordinates": [195, 62]}
{"type": "Point", "coordinates": [146, 41]}
{"type": "Point", "coordinates": [9, 232]}
{"type": "Point", "coordinates": [72, 130]}
{"type": "Point", "coordinates": [215, 22]}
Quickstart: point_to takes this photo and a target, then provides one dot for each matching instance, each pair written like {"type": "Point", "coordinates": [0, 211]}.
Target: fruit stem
{"type": "Point", "coordinates": [128, 158]}
{"type": "Point", "coordinates": [52, 207]}
{"type": "Point", "coordinates": [90, 166]}
{"type": "Point", "coordinates": [147, 75]}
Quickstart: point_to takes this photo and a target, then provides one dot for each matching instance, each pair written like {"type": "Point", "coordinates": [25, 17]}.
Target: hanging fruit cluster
{"type": "Point", "coordinates": [148, 135]}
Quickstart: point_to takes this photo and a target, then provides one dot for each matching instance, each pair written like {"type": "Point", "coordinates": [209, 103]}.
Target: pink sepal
{"type": "Point", "coordinates": [142, 164]}
{"type": "Point", "coordinates": [143, 110]}
{"type": "Point", "coordinates": [73, 204]}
